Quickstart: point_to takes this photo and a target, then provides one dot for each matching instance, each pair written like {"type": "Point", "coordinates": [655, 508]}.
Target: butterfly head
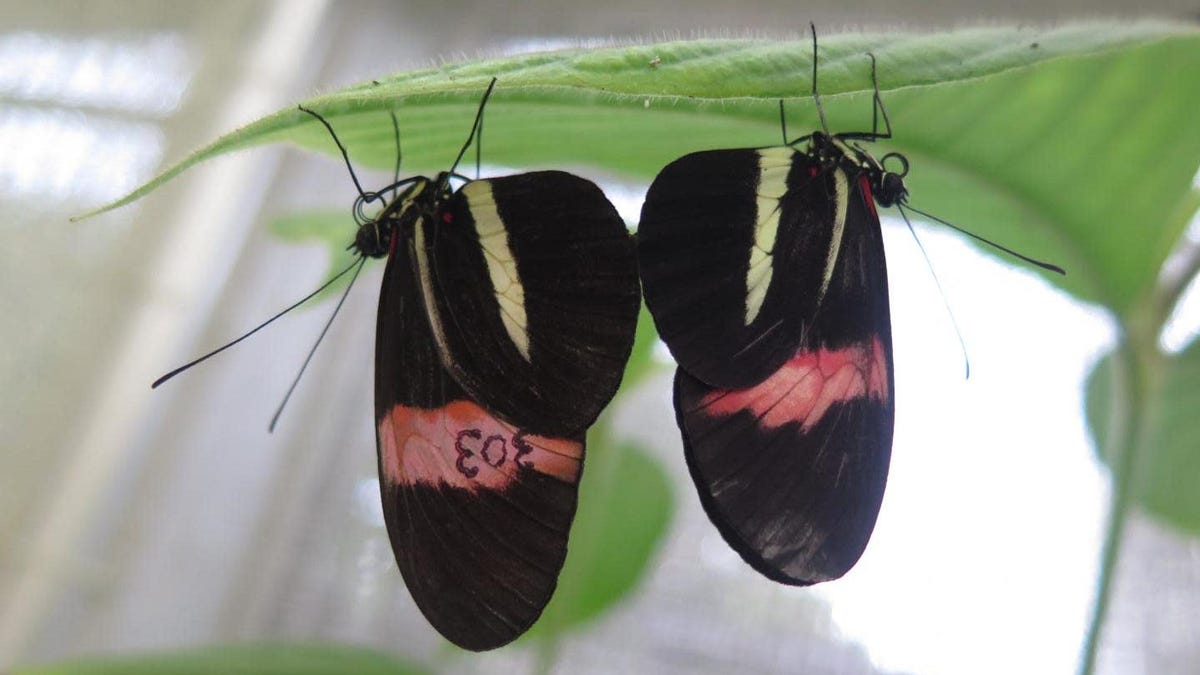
{"type": "Point", "coordinates": [886, 185]}
{"type": "Point", "coordinates": [885, 174]}
{"type": "Point", "coordinates": [410, 199]}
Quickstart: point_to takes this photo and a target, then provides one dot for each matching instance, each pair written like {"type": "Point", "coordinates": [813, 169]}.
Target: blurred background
{"type": "Point", "coordinates": [133, 520]}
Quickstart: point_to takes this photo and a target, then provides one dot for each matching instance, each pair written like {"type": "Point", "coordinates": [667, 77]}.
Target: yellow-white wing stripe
{"type": "Point", "coordinates": [425, 274]}
{"type": "Point", "coordinates": [841, 195]}
{"type": "Point", "coordinates": [501, 264]}
{"type": "Point", "coordinates": [773, 167]}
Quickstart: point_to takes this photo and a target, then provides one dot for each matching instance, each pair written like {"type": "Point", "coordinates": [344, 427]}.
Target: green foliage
{"type": "Point", "coordinates": [1168, 476]}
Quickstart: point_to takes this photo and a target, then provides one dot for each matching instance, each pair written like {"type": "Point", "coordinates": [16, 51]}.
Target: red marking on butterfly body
{"type": "Point", "coordinates": [807, 385]}
{"type": "Point", "coordinates": [867, 196]}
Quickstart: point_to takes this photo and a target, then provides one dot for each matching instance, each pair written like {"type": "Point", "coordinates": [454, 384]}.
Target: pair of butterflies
{"type": "Point", "coordinates": [507, 314]}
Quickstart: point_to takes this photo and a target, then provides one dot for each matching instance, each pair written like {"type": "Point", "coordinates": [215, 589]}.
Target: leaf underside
{"type": "Point", "coordinates": [1034, 137]}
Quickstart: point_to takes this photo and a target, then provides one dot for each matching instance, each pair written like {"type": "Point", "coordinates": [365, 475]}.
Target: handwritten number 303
{"type": "Point", "coordinates": [493, 451]}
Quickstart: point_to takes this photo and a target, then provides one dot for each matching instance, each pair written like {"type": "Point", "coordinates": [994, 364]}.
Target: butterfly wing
{"type": "Point", "coordinates": [792, 468]}
{"type": "Point", "coordinates": [502, 331]}
{"type": "Point", "coordinates": [731, 269]}
{"type": "Point", "coordinates": [535, 282]}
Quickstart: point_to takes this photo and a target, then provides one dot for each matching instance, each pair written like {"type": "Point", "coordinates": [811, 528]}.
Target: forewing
{"type": "Point", "coordinates": [732, 247]}
{"type": "Point", "coordinates": [477, 508]}
{"type": "Point", "coordinates": [537, 294]}
{"type": "Point", "coordinates": [792, 469]}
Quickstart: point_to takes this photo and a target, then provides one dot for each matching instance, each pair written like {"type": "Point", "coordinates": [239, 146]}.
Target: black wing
{"type": "Point", "coordinates": [792, 468]}
{"type": "Point", "coordinates": [478, 509]}
{"type": "Point", "coordinates": [505, 322]}
{"type": "Point", "coordinates": [732, 270]}
{"type": "Point", "coordinates": [536, 288]}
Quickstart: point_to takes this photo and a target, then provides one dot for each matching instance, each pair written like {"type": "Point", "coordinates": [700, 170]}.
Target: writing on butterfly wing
{"type": "Point", "coordinates": [475, 449]}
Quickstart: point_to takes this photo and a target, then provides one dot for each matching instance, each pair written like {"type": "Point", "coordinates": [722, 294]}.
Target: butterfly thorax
{"type": "Point", "coordinates": [418, 199]}
{"type": "Point", "coordinates": [887, 187]}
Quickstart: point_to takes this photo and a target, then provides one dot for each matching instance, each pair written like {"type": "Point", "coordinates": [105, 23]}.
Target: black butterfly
{"type": "Point", "coordinates": [764, 270]}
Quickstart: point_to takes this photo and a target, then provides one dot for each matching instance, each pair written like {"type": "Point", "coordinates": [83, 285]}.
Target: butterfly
{"type": "Point", "coordinates": [764, 271]}
{"type": "Point", "coordinates": [506, 316]}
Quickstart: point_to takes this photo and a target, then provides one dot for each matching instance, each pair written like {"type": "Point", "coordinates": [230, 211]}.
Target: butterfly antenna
{"type": "Point", "coordinates": [479, 145]}
{"type": "Point", "coordinates": [396, 133]}
{"type": "Point", "coordinates": [1038, 263]}
{"type": "Point", "coordinates": [275, 418]}
{"type": "Point", "coordinates": [474, 128]}
{"type": "Point", "coordinates": [341, 147]}
{"type": "Point", "coordinates": [783, 122]}
{"type": "Point", "coordinates": [962, 344]}
{"type": "Point", "coordinates": [257, 328]}
{"type": "Point", "coordinates": [877, 108]}
{"type": "Point", "coordinates": [816, 96]}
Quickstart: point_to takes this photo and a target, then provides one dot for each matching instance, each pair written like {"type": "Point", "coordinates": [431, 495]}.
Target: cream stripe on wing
{"type": "Point", "coordinates": [841, 195]}
{"type": "Point", "coordinates": [431, 309]}
{"type": "Point", "coordinates": [773, 167]}
{"type": "Point", "coordinates": [502, 266]}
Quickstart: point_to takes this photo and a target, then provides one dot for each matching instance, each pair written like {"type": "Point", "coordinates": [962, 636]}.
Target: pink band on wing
{"type": "Point", "coordinates": [464, 446]}
{"type": "Point", "coordinates": [807, 385]}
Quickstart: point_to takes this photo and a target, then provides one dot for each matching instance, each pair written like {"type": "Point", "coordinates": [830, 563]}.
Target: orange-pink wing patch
{"type": "Point", "coordinates": [807, 385]}
{"type": "Point", "coordinates": [464, 446]}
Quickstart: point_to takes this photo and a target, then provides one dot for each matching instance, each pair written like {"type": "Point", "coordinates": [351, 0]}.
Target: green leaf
{"type": "Point", "coordinates": [239, 660]}
{"type": "Point", "coordinates": [1167, 482]}
{"type": "Point", "coordinates": [625, 505]}
{"type": "Point", "coordinates": [329, 228]}
{"type": "Point", "coordinates": [1082, 161]}
{"type": "Point", "coordinates": [1057, 142]}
